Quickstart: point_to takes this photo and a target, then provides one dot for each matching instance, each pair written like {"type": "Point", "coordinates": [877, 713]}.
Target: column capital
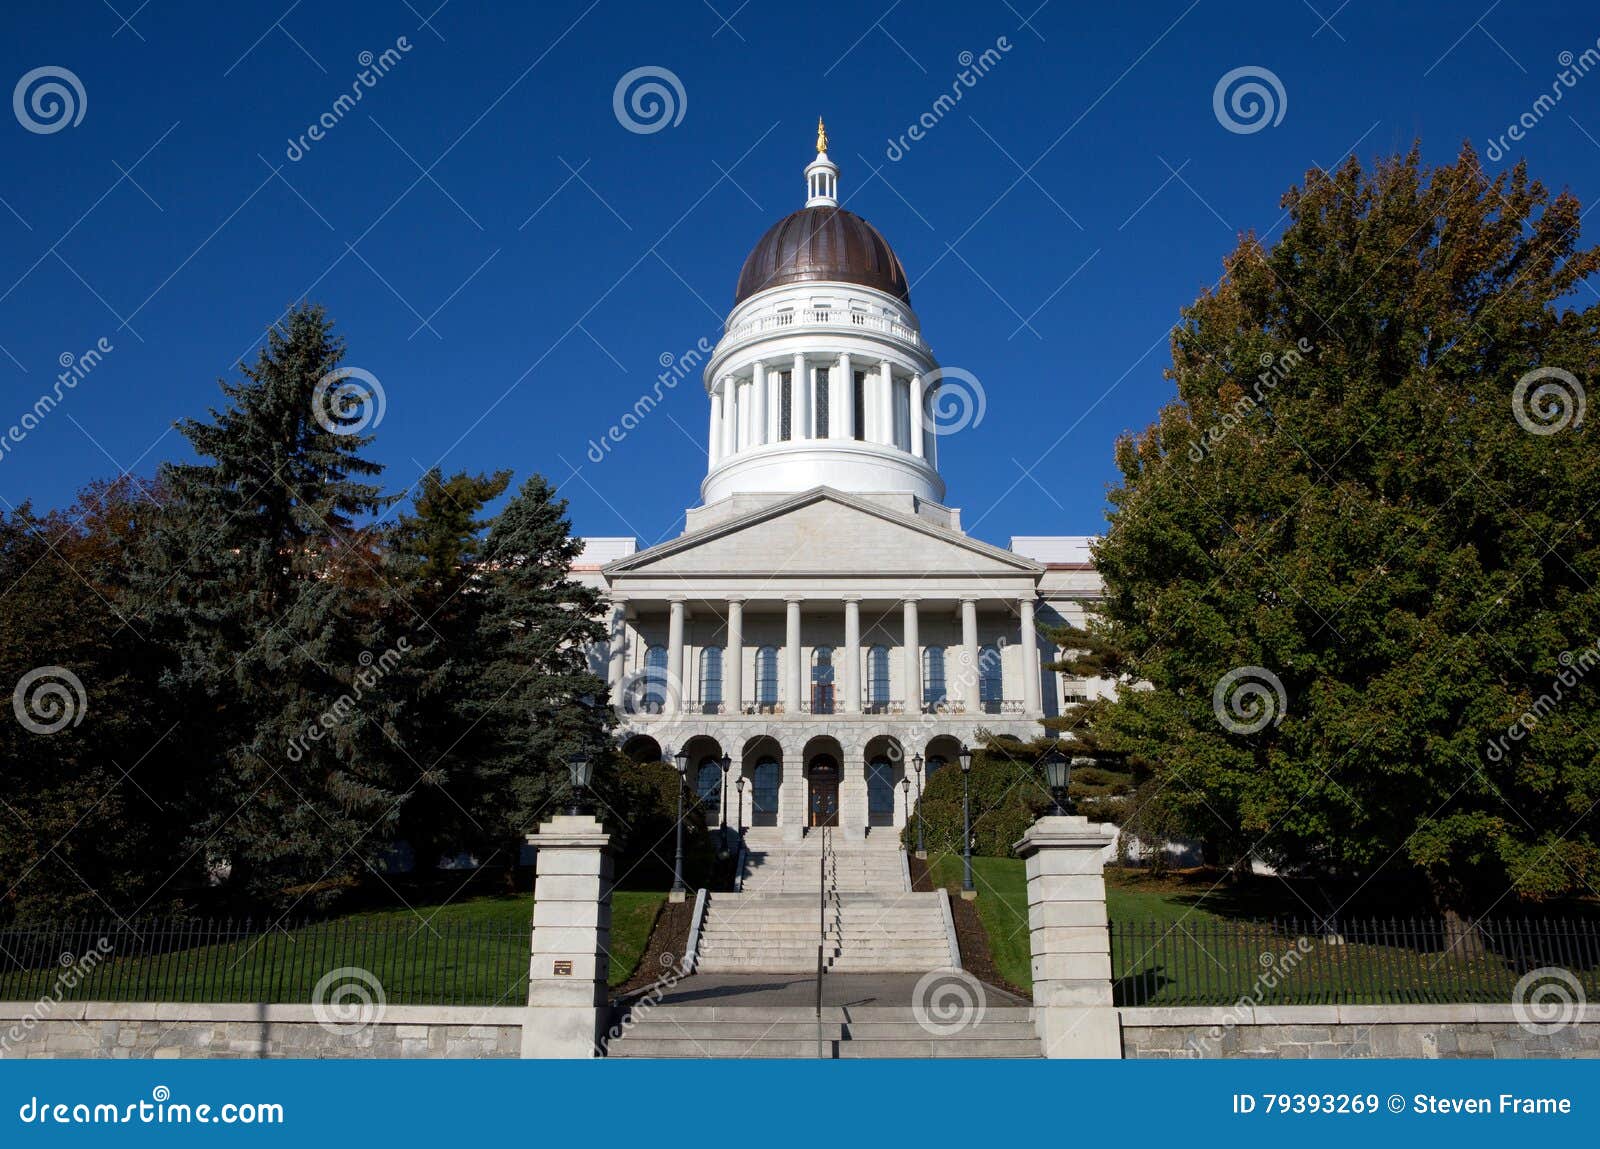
{"type": "Point", "coordinates": [730, 599]}
{"type": "Point", "coordinates": [849, 598]}
{"type": "Point", "coordinates": [795, 598]}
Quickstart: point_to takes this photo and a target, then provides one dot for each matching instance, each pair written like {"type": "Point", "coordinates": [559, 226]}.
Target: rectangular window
{"type": "Point", "coordinates": [785, 392]}
{"type": "Point", "coordinates": [860, 401]}
{"type": "Point", "coordinates": [822, 403]}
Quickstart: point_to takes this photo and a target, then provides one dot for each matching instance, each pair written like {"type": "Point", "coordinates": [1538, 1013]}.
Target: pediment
{"type": "Point", "coordinates": [825, 530]}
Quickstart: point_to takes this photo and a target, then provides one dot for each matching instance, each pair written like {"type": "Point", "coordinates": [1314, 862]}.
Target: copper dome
{"type": "Point", "coordinates": [822, 243]}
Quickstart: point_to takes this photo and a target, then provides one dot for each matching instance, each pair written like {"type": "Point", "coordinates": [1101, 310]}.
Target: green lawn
{"type": "Point", "coordinates": [471, 952]}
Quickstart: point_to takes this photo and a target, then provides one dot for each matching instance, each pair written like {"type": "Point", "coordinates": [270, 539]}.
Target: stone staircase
{"type": "Point", "coordinates": [688, 1031]}
{"type": "Point", "coordinates": [869, 922]}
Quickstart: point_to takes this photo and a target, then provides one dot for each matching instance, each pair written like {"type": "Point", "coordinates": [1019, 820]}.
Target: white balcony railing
{"type": "Point", "coordinates": [825, 318]}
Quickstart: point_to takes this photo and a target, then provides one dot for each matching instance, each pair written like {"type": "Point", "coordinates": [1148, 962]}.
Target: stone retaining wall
{"type": "Point", "coordinates": [141, 1029]}
{"type": "Point", "coordinates": [1428, 1031]}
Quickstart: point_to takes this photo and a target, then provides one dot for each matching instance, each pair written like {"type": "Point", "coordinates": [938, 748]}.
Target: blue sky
{"type": "Point", "coordinates": [512, 263]}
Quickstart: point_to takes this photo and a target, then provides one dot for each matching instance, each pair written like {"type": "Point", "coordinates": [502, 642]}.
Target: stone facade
{"type": "Point", "coordinates": [1362, 1031]}
{"type": "Point", "coordinates": [152, 1030]}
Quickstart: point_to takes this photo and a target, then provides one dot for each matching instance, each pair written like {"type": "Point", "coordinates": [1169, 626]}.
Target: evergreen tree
{"type": "Point", "coordinates": [257, 579]}
{"type": "Point", "coordinates": [1364, 503]}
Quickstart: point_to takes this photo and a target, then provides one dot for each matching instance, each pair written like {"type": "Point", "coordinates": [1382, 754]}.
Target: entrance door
{"type": "Point", "coordinates": [824, 805]}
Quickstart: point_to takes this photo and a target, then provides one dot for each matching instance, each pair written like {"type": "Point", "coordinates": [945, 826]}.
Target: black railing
{"type": "Point", "coordinates": [409, 961]}
{"type": "Point", "coordinates": [1391, 961]}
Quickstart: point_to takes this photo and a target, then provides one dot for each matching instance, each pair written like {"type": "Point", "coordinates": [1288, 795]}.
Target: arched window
{"type": "Point", "coordinates": [711, 679]}
{"type": "Point", "coordinates": [878, 676]}
{"type": "Point", "coordinates": [935, 764]}
{"type": "Point", "coordinates": [822, 680]}
{"type": "Point", "coordinates": [708, 784]}
{"type": "Point", "coordinates": [652, 688]}
{"type": "Point", "coordinates": [880, 793]}
{"type": "Point", "coordinates": [933, 688]}
{"type": "Point", "coordinates": [990, 687]}
{"type": "Point", "coordinates": [767, 676]}
{"type": "Point", "coordinates": [764, 793]}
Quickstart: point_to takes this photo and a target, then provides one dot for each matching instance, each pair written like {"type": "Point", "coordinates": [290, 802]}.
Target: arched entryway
{"type": "Point", "coordinates": [641, 748]}
{"type": "Point", "coordinates": [762, 768]}
{"type": "Point", "coordinates": [884, 763]}
{"type": "Point", "coordinates": [705, 777]}
{"type": "Point", "coordinates": [824, 771]}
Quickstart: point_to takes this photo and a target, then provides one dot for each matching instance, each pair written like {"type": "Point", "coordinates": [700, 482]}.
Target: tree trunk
{"type": "Point", "coordinates": [1462, 936]}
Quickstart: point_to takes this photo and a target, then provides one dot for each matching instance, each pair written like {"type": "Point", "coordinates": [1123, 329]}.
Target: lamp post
{"type": "Point", "coordinates": [722, 791]}
{"type": "Point", "coordinates": [679, 890]}
{"type": "Point", "coordinates": [1057, 775]}
{"type": "Point", "coordinates": [916, 765]}
{"type": "Point", "coordinates": [968, 890]}
{"type": "Point", "coordinates": [580, 769]}
{"type": "Point", "coordinates": [739, 784]}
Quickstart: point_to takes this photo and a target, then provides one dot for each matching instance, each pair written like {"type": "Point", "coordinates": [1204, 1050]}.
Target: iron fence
{"type": "Point", "coordinates": [1391, 961]}
{"type": "Point", "coordinates": [407, 960]}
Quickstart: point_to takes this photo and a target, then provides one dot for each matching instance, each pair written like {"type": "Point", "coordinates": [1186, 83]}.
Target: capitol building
{"type": "Point", "coordinates": [824, 621]}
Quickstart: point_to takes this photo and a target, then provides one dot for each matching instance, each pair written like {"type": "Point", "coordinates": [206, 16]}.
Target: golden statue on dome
{"type": "Point", "coordinates": [822, 137]}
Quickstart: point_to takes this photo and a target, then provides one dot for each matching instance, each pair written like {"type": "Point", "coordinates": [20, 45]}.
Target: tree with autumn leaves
{"type": "Point", "coordinates": [1354, 564]}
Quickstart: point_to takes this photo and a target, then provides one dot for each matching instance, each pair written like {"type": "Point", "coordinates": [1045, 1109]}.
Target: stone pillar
{"type": "Point", "coordinates": [851, 703]}
{"type": "Point", "coordinates": [970, 671]}
{"type": "Point", "coordinates": [617, 653]}
{"type": "Point", "coordinates": [791, 657]}
{"type": "Point", "coordinates": [730, 417]}
{"type": "Point", "coordinates": [1070, 941]}
{"type": "Point", "coordinates": [1030, 659]}
{"type": "Point", "coordinates": [571, 939]}
{"type": "Point", "coordinates": [758, 393]}
{"type": "Point", "coordinates": [733, 659]}
{"type": "Point", "coordinates": [714, 436]}
{"type": "Point", "coordinates": [913, 659]}
{"type": "Point", "coordinates": [675, 658]}
{"type": "Point", "coordinates": [800, 399]}
{"type": "Point", "coordinates": [844, 414]}
{"type": "Point", "coordinates": [916, 416]}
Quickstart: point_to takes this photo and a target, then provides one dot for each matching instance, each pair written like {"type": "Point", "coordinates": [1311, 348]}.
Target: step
{"type": "Point", "coordinates": [631, 1046]}
{"type": "Point", "coordinates": [941, 1047]}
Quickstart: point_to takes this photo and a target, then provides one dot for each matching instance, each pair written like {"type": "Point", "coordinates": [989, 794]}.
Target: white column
{"type": "Point", "coordinates": [913, 659]}
{"type": "Point", "coordinates": [714, 435]}
{"type": "Point", "coordinates": [741, 429]}
{"type": "Point", "coordinates": [844, 411]}
{"type": "Point", "coordinates": [758, 392]}
{"type": "Point", "coordinates": [733, 659]}
{"type": "Point", "coordinates": [1030, 659]}
{"type": "Point", "coordinates": [852, 656]}
{"type": "Point", "coordinates": [617, 653]}
{"type": "Point", "coordinates": [675, 657]}
{"type": "Point", "coordinates": [886, 403]}
{"type": "Point", "coordinates": [800, 400]}
{"type": "Point", "coordinates": [791, 658]}
{"type": "Point", "coordinates": [571, 942]}
{"type": "Point", "coordinates": [969, 655]}
{"type": "Point", "coordinates": [916, 415]}
{"type": "Point", "coordinates": [730, 416]}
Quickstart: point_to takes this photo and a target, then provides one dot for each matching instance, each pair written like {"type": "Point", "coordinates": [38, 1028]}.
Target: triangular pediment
{"type": "Point", "coordinates": [825, 530]}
